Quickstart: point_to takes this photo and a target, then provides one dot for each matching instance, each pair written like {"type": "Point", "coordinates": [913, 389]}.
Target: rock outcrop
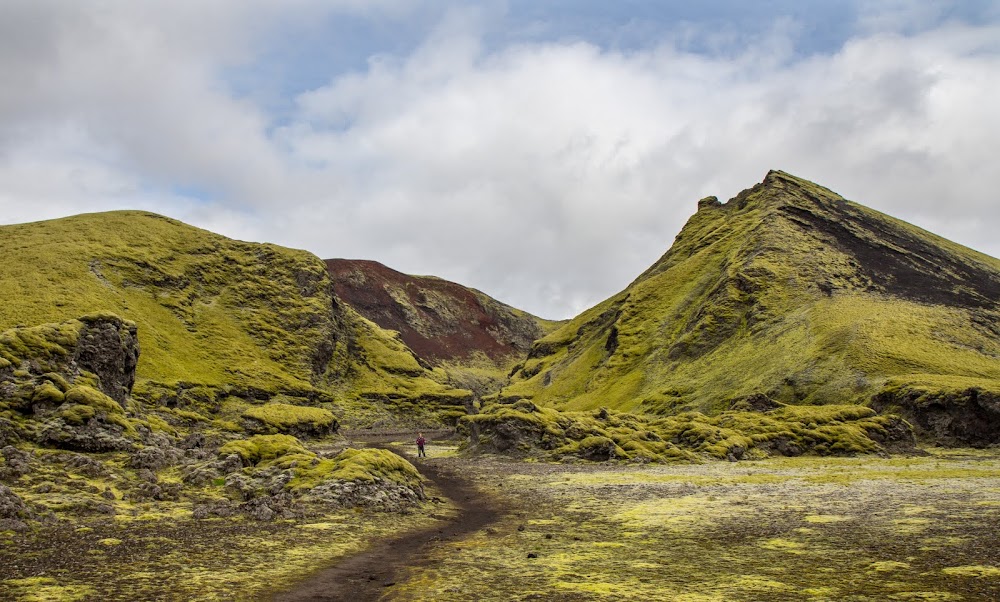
{"type": "Point", "coordinates": [69, 383]}
{"type": "Point", "coordinates": [108, 346]}
{"type": "Point", "coordinates": [524, 429]}
{"type": "Point", "coordinates": [969, 417]}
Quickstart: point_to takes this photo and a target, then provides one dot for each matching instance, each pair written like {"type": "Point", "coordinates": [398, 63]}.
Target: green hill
{"type": "Point", "coordinates": [148, 368]}
{"type": "Point", "coordinates": [218, 320]}
{"type": "Point", "coordinates": [789, 291]}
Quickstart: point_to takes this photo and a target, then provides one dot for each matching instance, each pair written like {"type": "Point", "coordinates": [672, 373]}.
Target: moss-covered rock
{"type": "Point", "coordinates": [955, 413]}
{"type": "Point", "coordinates": [47, 393]}
{"type": "Point", "coordinates": [103, 346]}
{"type": "Point", "coordinates": [368, 465]}
{"type": "Point", "coordinates": [263, 448]}
{"type": "Point", "coordinates": [280, 464]}
{"type": "Point", "coordinates": [301, 421]}
{"type": "Point", "coordinates": [526, 429]}
{"type": "Point", "coordinates": [13, 511]}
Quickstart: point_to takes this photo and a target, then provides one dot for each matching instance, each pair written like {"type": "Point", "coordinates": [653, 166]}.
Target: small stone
{"type": "Point", "coordinates": [532, 555]}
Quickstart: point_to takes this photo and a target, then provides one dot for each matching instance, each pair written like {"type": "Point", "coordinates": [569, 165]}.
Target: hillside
{"type": "Point", "coordinates": [470, 337]}
{"type": "Point", "coordinates": [151, 370]}
{"type": "Point", "coordinates": [790, 291]}
{"type": "Point", "coordinates": [441, 321]}
{"type": "Point", "coordinates": [221, 323]}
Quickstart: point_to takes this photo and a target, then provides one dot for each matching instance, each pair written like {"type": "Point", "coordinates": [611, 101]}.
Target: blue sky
{"type": "Point", "coordinates": [543, 152]}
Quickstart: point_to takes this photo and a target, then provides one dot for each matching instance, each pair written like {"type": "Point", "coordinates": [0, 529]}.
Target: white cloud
{"type": "Point", "coordinates": [553, 174]}
{"type": "Point", "coordinates": [546, 174]}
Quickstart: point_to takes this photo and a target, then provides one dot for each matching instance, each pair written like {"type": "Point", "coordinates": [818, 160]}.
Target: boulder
{"type": "Point", "coordinates": [109, 347]}
{"type": "Point", "coordinates": [969, 417]}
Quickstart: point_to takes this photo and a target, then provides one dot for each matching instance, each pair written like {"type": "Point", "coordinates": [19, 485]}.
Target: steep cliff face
{"type": "Point", "coordinates": [440, 321]}
{"type": "Point", "coordinates": [787, 290]}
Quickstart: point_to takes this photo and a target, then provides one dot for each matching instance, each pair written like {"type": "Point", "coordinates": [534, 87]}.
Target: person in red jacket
{"type": "Point", "coordinates": [420, 446]}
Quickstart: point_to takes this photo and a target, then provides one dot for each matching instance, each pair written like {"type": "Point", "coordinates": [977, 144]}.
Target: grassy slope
{"type": "Point", "coordinates": [749, 300]}
{"type": "Point", "coordinates": [210, 310]}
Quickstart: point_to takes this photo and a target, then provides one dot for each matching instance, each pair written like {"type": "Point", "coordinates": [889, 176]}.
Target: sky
{"type": "Point", "coordinates": [544, 152]}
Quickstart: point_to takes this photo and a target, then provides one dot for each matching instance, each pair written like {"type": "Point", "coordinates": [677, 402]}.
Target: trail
{"type": "Point", "coordinates": [371, 574]}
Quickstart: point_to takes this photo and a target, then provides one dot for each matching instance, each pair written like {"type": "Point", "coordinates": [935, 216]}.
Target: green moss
{"type": "Point", "coordinates": [790, 430]}
{"type": "Point", "coordinates": [48, 346]}
{"type": "Point", "coordinates": [263, 448]}
{"type": "Point", "coordinates": [47, 589]}
{"type": "Point", "coordinates": [88, 396]}
{"type": "Point", "coordinates": [973, 571]}
{"type": "Point", "coordinates": [358, 465]}
{"type": "Point", "coordinates": [285, 417]}
{"type": "Point", "coordinates": [373, 365]}
{"type": "Point", "coordinates": [57, 380]}
{"type": "Point", "coordinates": [77, 414]}
{"type": "Point", "coordinates": [47, 393]}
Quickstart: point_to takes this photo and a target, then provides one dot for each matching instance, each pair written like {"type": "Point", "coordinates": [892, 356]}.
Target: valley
{"type": "Point", "coordinates": [799, 401]}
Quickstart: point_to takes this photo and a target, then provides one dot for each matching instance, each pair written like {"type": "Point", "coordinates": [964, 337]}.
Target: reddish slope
{"type": "Point", "coordinates": [439, 320]}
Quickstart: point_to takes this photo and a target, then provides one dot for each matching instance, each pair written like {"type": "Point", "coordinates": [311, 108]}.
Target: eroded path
{"type": "Point", "coordinates": [371, 574]}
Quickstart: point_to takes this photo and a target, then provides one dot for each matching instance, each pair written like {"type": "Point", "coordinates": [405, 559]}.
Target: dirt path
{"type": "Point", "coordinates": [371, 574]}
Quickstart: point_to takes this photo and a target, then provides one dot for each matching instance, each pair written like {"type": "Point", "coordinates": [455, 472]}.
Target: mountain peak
{"type": "Point", "coordinates": [780, 188]}
{"type": "Point", "coordinates": [782, 180]}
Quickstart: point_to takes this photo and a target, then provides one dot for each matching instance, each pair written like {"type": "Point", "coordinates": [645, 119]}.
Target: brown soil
{"type": "Point", "coordinates": [372, 574]}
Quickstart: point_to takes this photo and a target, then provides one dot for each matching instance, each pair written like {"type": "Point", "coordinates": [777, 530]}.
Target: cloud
{"type": "Point", "coordinates": [552, 174]}
{"type": "Point", "coordinates": [546, 173]}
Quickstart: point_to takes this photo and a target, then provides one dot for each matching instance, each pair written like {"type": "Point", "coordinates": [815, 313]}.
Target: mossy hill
{"type": "Point", "coordinates": [150, 367]}
{"type": "Point", "coordinates": [223, 324]}
{"type": "Point", "coordinates": [791, 292]}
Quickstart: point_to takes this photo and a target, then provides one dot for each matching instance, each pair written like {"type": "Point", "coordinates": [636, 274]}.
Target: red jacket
{"type": "Point", "coordinates": [421, 441]}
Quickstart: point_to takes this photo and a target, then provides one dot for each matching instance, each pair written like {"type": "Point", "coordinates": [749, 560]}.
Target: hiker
{"type": "Point", "coordinates": [420, 446]}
